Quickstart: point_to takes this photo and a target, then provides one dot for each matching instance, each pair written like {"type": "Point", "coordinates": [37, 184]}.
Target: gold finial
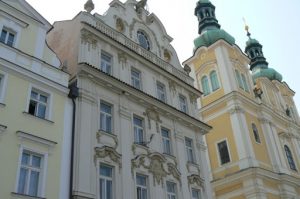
{"type": "Point", "coordinates": [246, 27]}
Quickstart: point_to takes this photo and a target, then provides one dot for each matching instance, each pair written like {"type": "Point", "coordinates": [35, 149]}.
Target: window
{"type": "Point", "coordinates": [290, 158]}
{"type": "Point", "coordinates": [166, 140]}
{"type": "Point", "coordinates": [106, 182]}
{"type": "Point", "coordinates": [136, 79]}
{"type": "Point", "coordinates": [205, 85]}
{"type": "Point", "coordinates": [214, 80]}
{"type": "Point", "coordinates": [183, 103]}
{"type": "Point", "coordinates": [255, 133]}
{"type": "Point", "coordinates": [39, 103]}
{"type": "Point", "coordinates": [223, 152]}
{"type": "Point", "coordinates": [141, 187]}
{"type": "Point", "coordinates": [106, 63]}
{"type": "Point", "coordinates": [138, 130]}
{"type": "Point", "coordinates": [171, 190]}
{"type": "Point", "coordinates": [105, 117]}
{"type": "Point", "coordinates": [143, 40]}
{"type": "Point", "coordinates": [7, 37]}
{"type": "Point", "coordinates": [29, 181]}
{"type": "Point", "coordinates": [239, 79]}
{"type": "Point", "coordinates": [161, 92]}
{"type": "Point", "coordinates": [245, 83]}
{"type": "Point", "coordinates": [196, 194]}
{"type": "Point", "coordinates": [189, 150]}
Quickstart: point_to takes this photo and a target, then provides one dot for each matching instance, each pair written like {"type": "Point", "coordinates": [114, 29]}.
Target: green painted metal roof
{"type": "Point", "coordinates": [203, 1]}
{"type": "Point", "coordinates": [270, 73]}
{"type": "Point", "coordinates": [251, 41]}
{"type": "Point", "coordinates": [210, 36]}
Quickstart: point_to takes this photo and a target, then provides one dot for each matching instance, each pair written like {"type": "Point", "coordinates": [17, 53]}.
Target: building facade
{"type": "Point", "coordinates": [34, 107]}
{"type": "Point", "coordinates": [254, 147]}
{"type": "Point", "coordinates": [137, 135]}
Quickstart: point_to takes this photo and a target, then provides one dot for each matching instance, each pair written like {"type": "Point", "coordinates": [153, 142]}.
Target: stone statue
{"type": "Point", "coordinates": [89, 6]}
{"type": "Point", "coordinates": [140, 5]}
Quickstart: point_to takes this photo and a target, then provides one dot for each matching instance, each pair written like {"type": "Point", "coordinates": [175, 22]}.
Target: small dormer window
{"type": "Point", "coordinates": [7, 37]}
{"type": "Point", "coordinates": [143, 40]}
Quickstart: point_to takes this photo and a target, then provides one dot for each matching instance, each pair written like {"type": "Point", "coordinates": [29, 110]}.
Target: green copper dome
{"type": "Point", "coordinates": [203, 1]}
{"type": "Point", "coordinates": [209, 37]}
{"type": "Point", "coordinates": [270, 73]}
{"type": "Point", "coordinates": [251, 42]}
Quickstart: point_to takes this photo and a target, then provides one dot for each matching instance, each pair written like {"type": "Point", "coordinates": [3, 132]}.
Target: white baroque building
{"type": "Point", "coordinates": [137, 135]}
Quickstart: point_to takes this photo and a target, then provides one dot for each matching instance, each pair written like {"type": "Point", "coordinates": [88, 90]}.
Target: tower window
{"type": "Point", "coordinates": [245, 85]}
{"type": "Point", "coordinates": [290, 158]}
{"type": "Point", "coordinates": [255, 133]}
{"type": "Point", "coordinates": [214, 80]}
{"type": "Point", "coordinates": [223, 152]}
{"type": "Point", "coordinates": [143, 40]}
{"type": "Point", "coordinates": [205, 85]}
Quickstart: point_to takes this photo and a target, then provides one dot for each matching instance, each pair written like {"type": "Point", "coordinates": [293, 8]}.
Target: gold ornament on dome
{"type": "Point", "coordinates": [120, 25]}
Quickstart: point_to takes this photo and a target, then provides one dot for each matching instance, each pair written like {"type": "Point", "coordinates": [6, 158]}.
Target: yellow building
{"type": "Point", "coordinates": [35, 112]}
{"type": "Point", "coordinates": [254, 147]}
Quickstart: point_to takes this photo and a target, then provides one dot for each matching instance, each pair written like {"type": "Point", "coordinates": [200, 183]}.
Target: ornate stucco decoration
{"type": "Point", "coordinates": [195, 180]}
{"type": "Point", "coordinates": [120, 25]}
{"type": "Point", "coordinates": [152, 114]}
{"type": "Point", "coordinates": [193, 98]}
{"type": "Point", "coordinates": [157, 165]}
{"type": "Point", "coordinates": [88, 38]}
{"type": "Point", "coordinates": [187, 69]}
{"type": "Point", "coordinates": [140, 6]}
{"type": "Point", "coordinates": [112, 136]}
{"type": "Point", "coordinates": [172, 87]}
{"type": "Point", "coordinates": [89, 6]}
{"type": "Point", "coordinates": [110, 152]}
{"type": "Point", "coordinates": [236, 109]}
{"type": "Point", "coordinates": [122, 59]}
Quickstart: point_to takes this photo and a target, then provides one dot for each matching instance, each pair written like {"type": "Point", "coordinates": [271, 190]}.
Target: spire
{"type": "Point", "coordinates": [205, 11]}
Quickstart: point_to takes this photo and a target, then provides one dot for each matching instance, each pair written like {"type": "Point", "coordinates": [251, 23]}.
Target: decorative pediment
{"type": "Point", "coordinates": [157, 165]}
{"type": "Point", "coordinates": [110, 152]}
{"type": "Point", "coordinates": [195, 180]}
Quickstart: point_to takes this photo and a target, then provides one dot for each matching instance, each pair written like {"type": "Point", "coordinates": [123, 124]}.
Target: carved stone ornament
{"type": "Point", "coordinates": [89, 6]}
{"type": "Point", "coordinates": [140, 5]}
{"type": "Point", "coordinates": [236, 109]}
{"type": "Point", "coordinates": [110, 152]}
{"type": "Point", "coordinates": [88, 38]}
{"type": "Point", "coordinates": [112, 136]}
{"type": "Point", "coordinates": [120, 25]}
{"type": "Point", "coordinates": [157, 165]}
{"type": "Point", "coordinates": [172, 87]}
{"type": "Point", "coordinates": [152, 115]}
{"type": "Point", "coordinates": [195, 180]}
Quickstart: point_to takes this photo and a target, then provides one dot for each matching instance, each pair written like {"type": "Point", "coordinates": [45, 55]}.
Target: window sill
{"type": "Point", "coordinates": [49, 121]}
{"type": "Point", "coordinates": [110, 134]}
{"type": "Point", "coordinates": [142, 145]}
{"type": "Point", "coordinates": [170, 156]}
{"type": "Point", "coordinates": [2, 104]}
{"type": "Point", "coordinates": [193, 163]}
{"type": "Point", "coordinates": [21, 196]}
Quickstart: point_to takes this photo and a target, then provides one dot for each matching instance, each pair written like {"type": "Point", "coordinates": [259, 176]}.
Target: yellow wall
{"type": "Point", "coordinates": [229, 188]}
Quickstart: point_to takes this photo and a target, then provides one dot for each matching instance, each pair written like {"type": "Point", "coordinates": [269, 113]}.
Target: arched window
{"type": "Point", "coordinates": [251, 54]}
{"type": "Point", "coordinates": [214, 80]}
{"type": "Point", "coordinates": [255, 133]}
{"type": "Point", "coordinates": [289, 157]}
{"type": "Point", "coordinates": [143, 40]}
{"type": "Point", "coordinates": [246, 88]}
{"type": "Point", "coordinates": [205, 85]}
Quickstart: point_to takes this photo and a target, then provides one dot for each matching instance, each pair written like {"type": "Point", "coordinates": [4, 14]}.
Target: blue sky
{"type": "Point", "coordinates": [275, 24]}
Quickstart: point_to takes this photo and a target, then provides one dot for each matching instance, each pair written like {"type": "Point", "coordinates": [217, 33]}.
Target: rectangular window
{"type": "Point", "coordinates": [7, 37]}
{"type": "Point", "coordinates": [189, 150]}
{"type": "Point", "coordinates": [141, 187]}
{"type": "Point", "coordinates": [183, 103]}
{"type": "Point", "coordinates": [136, 79]}
{"type": "Point", "coordinates": [105, 117]}
{"type": "Point", "coordinates": [171, 190]}
{"type": "Point", "coordinates": [196, 194]}
{"type": "Point", "coordinates": [223, 152]}
{"type": "Point", "coordinates": [1, 86]}
{"type": "Point", "coordinates": [106, 63]}
{"type": "Point", "coordinates": [29, 181]}
{"type": "Point", "coordinates": [161, 92]}
{"type": "Point", "coordinates": [38, 104]}
{"type": "Point", "coordinates": [106, 182]}
{"type": "Point", "coordinates": [166, 140]}
{"type": "Point", "coordinates": [138, 125]}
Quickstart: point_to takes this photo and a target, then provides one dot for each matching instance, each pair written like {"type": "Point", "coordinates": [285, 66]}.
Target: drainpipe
{"type": "Point", "coordinates": [73, 94]}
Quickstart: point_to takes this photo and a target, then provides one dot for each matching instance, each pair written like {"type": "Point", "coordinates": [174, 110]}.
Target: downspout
{"type": "Point", "coordinates": [73, 94]}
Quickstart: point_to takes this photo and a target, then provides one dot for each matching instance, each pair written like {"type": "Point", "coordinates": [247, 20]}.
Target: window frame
{"type": "Point", "coordinates": [134, 79]}
{"type": "Point", "coordinates": [3, 86]}
{"type": "Point", "coordinates": [106, 115]}
{"type": "Point", "coordinates": [199, 192]}
{"type": "Point", "coordinates": [106, 178]}
{"type": "Point", "coordinates": [213, 88]}
{"type": "Point", "coordinates": [45, 92]}
{"type": "Point", "coordinates": [161, 92]}
{"type": "Point", "coordinates": [205, 85]}
{"type": "Point", "coordinates": [9, 32]}
{"type": "Point", "coordinates": [166, 139]}
{"type": "Point", "coordinates": [142, 127]}
{"type": "Point", "coordinates": [190, 152]}
{"type": "Point", "coordinates": [43, 173]}
{"type": "Point", "coordinates": [171, 195]}
{"type": "Point", "coordinates": [183, 106]}
{"type": "Point", "coordinates": [145, 37]}
{"type": "Point", "coordinates": [142, 187]}
{"type": "Point", "coordinates": [104, 63]}
{"type": "Point", "coordinates": [219, 154]}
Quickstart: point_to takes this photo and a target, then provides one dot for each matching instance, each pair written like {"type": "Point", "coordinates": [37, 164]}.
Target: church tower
{"type": "Point", "coordinates": [254, 146]}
